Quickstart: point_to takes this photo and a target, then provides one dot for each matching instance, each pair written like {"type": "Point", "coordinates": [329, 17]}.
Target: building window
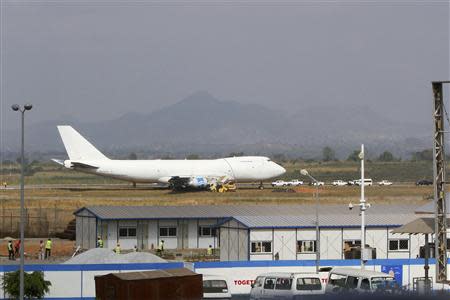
{"type": "Point", "coordinates": [125, 232]}
{"type": "Point", "coordinates": [167, 231]}
{"type": "Point", "coordinates": [399, 245]}
{"type": "Point", "coordinates": [352, 243]}
{"type": "Point", "coordinates": [306, 246]}
{"type": "Point", "coordinates": [206, 231]}
{"type": "Point", "coordinates": [261, 247]}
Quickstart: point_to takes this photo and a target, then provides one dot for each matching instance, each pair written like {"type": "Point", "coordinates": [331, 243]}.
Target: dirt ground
{"type": "Point", "coordinates": [60, 249]}
{"type": "Point", "coordinates": [50, 209]}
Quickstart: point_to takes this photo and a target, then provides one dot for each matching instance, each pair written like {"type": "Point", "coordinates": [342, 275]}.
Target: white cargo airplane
{"type": "Point", "coordinates": [179, 174]}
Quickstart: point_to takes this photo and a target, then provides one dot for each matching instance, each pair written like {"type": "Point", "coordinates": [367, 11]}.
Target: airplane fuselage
{"type": "Point", "coordinates": [240, 169]}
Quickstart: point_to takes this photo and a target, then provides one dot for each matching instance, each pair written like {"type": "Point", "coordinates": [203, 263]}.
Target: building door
{"type": "Point", "coordinates": [183, 234]}
{"type": "Point", "coordinates": [142, 235]}
{"type": "Point", "coordinates": [104, 233]}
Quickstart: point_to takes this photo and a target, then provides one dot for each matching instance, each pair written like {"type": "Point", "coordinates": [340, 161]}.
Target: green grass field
{"type": "Point", "coordinates": [46, 196]}
{"type": "Point", "coordinates": [405, 171]}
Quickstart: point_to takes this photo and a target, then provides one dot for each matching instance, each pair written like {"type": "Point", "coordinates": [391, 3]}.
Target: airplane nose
{"type": "Point", "coordinates": [280, 170]}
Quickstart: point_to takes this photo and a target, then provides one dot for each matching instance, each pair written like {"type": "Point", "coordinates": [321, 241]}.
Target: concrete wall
{"type": "Point", "coordinates": [77, 281]}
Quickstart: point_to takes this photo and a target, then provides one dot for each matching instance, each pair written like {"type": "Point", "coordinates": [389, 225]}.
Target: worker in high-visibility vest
{"type": "Point", "coordinates": [10, 250]}
{"type": "Point", "coordinates": [117, 249]}
{"type": "Point", "coordinates": [99, 242]}
{"type": "Point", "coordinates": [209, 251]}
{"type": "Point", "coordinates": [48, 248]}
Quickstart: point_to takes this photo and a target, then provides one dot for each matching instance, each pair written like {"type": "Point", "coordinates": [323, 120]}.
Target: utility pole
{"type": "Point", "coordinates": [439, 182]}
{"type": "Point", "coordinates": [26, 107]}
{"type": "Point", "coordinates": [363, 206]}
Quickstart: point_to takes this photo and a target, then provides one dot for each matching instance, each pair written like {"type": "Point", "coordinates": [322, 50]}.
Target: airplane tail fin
{"type": "Point", "coordinates": [77, 147]}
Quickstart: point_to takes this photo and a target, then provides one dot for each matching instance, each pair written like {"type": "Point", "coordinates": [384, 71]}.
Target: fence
{"type": "Point", "coordinates": [39, 221]}
{"type": "Point", "coordinates": [77, 281]}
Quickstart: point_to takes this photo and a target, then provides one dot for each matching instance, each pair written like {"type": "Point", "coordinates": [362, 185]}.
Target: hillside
{"type": "Point", "coordinates": [200, 123]}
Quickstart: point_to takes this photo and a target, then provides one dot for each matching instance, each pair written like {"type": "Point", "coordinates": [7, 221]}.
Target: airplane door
{"type": "Point", "coordinates": [229, 170]}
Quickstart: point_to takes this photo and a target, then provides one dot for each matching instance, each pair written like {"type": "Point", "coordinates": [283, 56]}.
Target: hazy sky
{"type": "Point", "coordinates": [100, 59]}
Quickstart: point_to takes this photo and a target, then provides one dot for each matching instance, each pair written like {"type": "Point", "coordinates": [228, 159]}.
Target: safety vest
{"type": "Point", "coordinates": [117, 250]}
{"type": "Point", "coordinates": [209, 251]}
{"type": "Point", "coordinates": [10, 247]}
{"type": "Point", "coordinates": [48, 245]}
{"type": "Point", "coordinates": [161, 246]}
{"type": "Point", "coordinates": [100, 243]}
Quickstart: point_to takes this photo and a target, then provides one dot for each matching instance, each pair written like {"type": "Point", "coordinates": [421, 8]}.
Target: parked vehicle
{"type": "Point", "coordinates": [279, 183]}
{"type": "Point", "coordinates": [424, 182]}
{"type": "Point", "coordinates": [385, 182]}
{"type": "Point", "coordinates": [339, 183]}
{"type": "Point", "coordinates": [367, 182]}
{"type": "Point", "coordinates": [215, 287]}
{"type": "Point", "coordinates": [295, 182]}
{"type": "Point", "coordinates": [351, 182]}
{"type": "Point", "coordinates": [318, 183]}
{"type": "Point", "coordinates": [349, 280]}
{"type": "Point", "coordinates": [286, 285]}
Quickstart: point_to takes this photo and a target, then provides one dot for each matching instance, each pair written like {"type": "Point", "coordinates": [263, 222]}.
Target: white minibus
{"type": "Point", "coordinates": [215, 287]}
{"type": "Point", "coordinates": [342, 280]}
{"type": "Point", "coordinates": [286, 285]}
{"type": "Point", "coordinates": [367, 182]}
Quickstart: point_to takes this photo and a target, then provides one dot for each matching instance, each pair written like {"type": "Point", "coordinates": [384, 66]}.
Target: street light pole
{"type": "Point", "coordinates": [363, 206]}
{"type": "Point", "coordinates": [26, 107]}
{"type": "Point", "coordinates": [305, 173]}
{"type": "Point", "coordinates": [363, 210]}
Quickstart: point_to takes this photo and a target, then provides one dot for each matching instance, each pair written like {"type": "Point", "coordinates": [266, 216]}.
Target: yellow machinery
{"type": "Point", "coordinates": [223, 187]}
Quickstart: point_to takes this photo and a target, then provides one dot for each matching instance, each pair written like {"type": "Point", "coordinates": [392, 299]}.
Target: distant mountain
{"type": "Point", "coordinates": [202, 124]}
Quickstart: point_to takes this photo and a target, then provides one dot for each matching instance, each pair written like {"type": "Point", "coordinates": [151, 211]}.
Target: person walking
{"type": "Point", "coordinates": [117, 249]}
{"type": "Point", "coordinates": [10, 250]}
{"type": "Point", "coordinates": [99, 242]}
{"type": "Point", "coordinates": [17, 248]}
{"type": "Point", "coordinates": [41, 250]}
{"type": "Point", "coordinates": [209, 251]}
{"type": "Point", "coordinates": [48, 248]}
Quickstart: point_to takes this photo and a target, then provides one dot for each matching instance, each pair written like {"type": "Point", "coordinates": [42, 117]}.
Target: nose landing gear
{"type": "Point", "coordinates": [261, 186]}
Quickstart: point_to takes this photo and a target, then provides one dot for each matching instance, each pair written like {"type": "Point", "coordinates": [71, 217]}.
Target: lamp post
{"type": "Point", "coordinates": [363, 206]}
{"type": "Point", "coordinates": [305, 173]}
{"type": "Point", "coordinates": [26, 107]}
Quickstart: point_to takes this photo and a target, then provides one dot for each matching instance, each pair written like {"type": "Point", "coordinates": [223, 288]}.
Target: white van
{"type": "Point", "coordinates": [367, 182]}
{"type": "Point", "coordinates": [215, 287]}
{"type": "Point", "coordinates": [286, 285]}
{"type": "Point", "coordinates": [343, 280]}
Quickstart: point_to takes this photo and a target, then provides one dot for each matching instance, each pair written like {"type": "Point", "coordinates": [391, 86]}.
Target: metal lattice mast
{"type": "Point", "coordinates": [439, 183]}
